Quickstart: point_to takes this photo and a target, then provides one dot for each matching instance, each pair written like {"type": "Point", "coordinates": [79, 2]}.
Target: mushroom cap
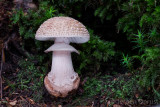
{"type": "Point", "coordinates": [65, 27]}
{"type": "Point", "coordinates": [61, 47]}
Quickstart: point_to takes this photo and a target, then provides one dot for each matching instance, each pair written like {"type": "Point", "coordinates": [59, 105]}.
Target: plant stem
{"type": "Point", "coordinates": [1, 73]}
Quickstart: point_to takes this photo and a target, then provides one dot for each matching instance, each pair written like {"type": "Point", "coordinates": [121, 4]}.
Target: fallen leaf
{"type": "Point", "coordinates": [116, 105]}
{"type": "Point", "coordinates": [84, 81]}
{"type": "Point", "coordinates": [128, 74]}
{"type": "Point", "coordinates": [102, 105]}
{"type": "Point", "coordinates": [115, 79]}
{"type": "Point", "coordinates": [31, 101]}
{"type": "Point", "coordinates": [44, 105]}
{"type": "Point", "coordinates": [7, 99]}
{"type": "Point", "coordinates": [5, 88]}
{"type": "Point", "coordinates": [149, 88]}
{"type": "Point", "coordinates": [136, 95]}
{"type": "Point", "coordinates": [13, 103]}
{"type": "Point", "coordinates": [22, 98]}
{"type": "Point", "coordinates": [52, 105]}
{"type": "Point", "coordinates": [108, 102]}
{"type": "Point", "coordinates": [15, 93]}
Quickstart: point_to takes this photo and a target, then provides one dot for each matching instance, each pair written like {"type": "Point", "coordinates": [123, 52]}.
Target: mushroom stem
{"type": "Point", "coordinates": [61, 79]}
{"type": "Point", "coordinates": [62, 72]}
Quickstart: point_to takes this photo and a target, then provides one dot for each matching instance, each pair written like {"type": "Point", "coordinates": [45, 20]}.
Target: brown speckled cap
{"type": "Point", "coordinates": [63, 27]}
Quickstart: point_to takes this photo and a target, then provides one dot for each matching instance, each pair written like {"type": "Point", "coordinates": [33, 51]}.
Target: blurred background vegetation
{"type": "Point", "coordinates": [120, 62]}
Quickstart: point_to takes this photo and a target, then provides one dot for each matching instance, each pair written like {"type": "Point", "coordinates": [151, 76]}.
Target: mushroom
{"type": "Point", "coordinates": [62, 78]}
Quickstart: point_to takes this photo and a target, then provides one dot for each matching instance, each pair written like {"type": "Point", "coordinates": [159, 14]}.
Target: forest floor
{"type": "Point", "coordinates": [100, 93]}
{"type": "Point", "coordinates": [101, 90]}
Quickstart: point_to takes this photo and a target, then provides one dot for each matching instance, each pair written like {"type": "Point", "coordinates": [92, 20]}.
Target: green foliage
{"type": "Point", "coordinates": [92, 87]}
{"type": "Point", "coordinates": [28, 23]}
{"type": "Point", "coordinates": [94, 54]}
{"type": "Point", "coordinates": [127, 62]}
{"type": "Point", "coordinates": [143, 15]}
{"type": "Point", "coordinates": [105, 9]}
{"type": "Point", "coordinates": [139, 39]}
{"type": "Point", "coordinates": [111, 87]}
{"type": "Point", "coordinates": [30, 77]}
{"type": "Point", "coordinates": [150, 70]}
{"type": "Point", "coordinates": [133, 15]}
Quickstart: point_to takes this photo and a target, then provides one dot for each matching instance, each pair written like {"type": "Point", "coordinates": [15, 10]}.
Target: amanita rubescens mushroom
{"type": "Point", "coordinates": [62, 79]}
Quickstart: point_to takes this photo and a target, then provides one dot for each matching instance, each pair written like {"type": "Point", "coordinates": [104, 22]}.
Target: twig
{"type": "Point", "coordinates": [20, 50]}
{"type": "Point", "coordinates": [13, 39]}
{"type": "Point", "coordinates": [1, 73]}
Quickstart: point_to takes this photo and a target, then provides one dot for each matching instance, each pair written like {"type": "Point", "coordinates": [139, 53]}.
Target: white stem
{"type": "Point", "coordinates": [62, 72]}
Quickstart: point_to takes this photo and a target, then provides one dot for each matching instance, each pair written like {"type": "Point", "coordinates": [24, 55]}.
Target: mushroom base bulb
{"type": "Point", "coordinates": [61, 91]}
